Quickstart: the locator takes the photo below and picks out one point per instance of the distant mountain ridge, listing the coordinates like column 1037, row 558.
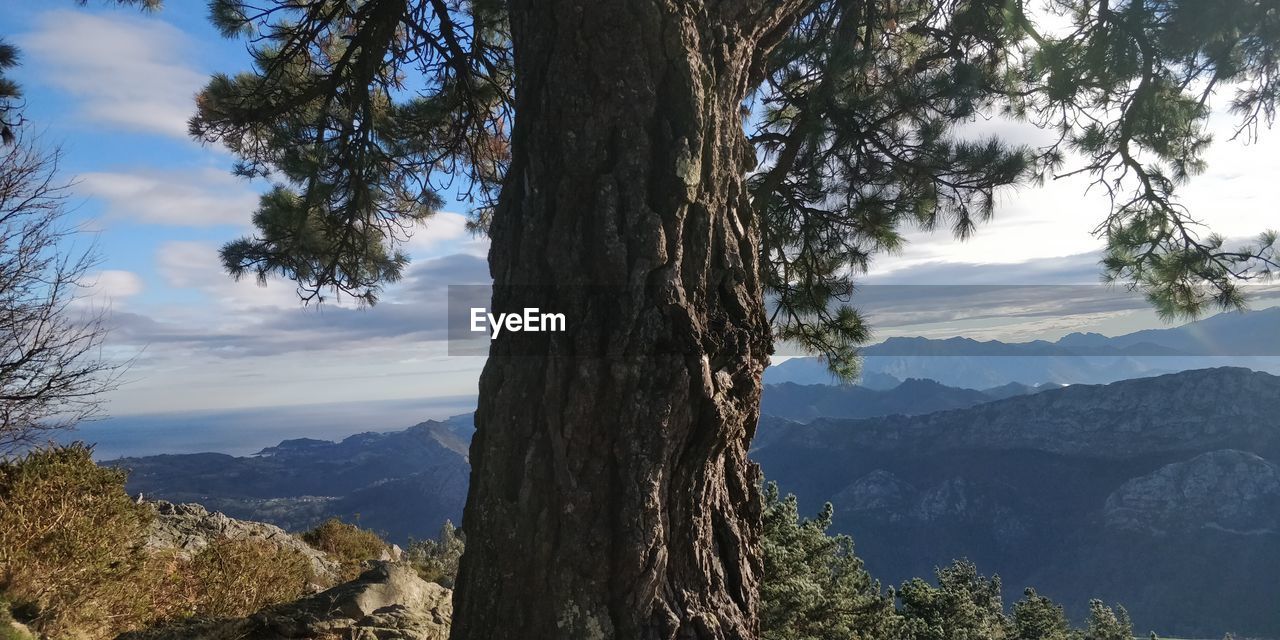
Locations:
column 371, row 478
column 406, row 483
column 912, row 396
column 1250, row 339
column 1114, row 420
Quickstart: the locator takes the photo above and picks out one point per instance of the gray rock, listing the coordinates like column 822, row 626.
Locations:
column 189, row 528
column 1229, row 490
column 947, row 500
column 392, row 554
column 387, row 602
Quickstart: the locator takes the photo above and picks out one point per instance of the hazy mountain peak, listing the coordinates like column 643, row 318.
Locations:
column 1078, row 339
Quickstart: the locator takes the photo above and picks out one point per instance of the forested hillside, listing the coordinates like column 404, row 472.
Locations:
column 1162, row 493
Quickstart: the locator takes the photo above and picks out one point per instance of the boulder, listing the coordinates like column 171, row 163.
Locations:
column 387, row 602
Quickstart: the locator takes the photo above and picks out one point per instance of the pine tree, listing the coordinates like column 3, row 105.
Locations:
column 814, row 587
column 10, row 94
column 1106, row 623
column 965, row 605
column 436, row 560
column 605, row 149
column 1036, row 617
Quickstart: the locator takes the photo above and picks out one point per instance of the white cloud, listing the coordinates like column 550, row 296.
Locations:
column 195, row 198
column 127, row 70
column 1233, row 197
column 197, row 266
column 443, row 227
column 445, row 233
column 216, row 350
column 186, row 264
column 114, row 284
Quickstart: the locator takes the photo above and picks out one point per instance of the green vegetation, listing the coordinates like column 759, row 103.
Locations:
column 437, row 560
column 1036, row 617
column 8, row 630
column 72, row 562
column 815, row 588
column 350, row 545
column 1107, row 624
column 68, row 540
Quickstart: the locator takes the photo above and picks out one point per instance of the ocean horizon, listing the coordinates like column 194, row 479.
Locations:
column 242, row 432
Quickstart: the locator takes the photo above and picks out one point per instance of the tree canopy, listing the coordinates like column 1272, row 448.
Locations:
column 365, row 113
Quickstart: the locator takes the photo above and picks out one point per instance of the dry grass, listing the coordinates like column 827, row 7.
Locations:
column 350, row 545
column 72, row 562
column 234, row 578
column 68, row 535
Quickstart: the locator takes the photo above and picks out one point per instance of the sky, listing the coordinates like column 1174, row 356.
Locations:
column 114, row 88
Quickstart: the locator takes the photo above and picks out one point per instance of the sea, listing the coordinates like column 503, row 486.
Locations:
column 244, row 432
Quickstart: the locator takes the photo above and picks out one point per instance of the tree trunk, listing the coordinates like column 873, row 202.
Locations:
column 611, row 495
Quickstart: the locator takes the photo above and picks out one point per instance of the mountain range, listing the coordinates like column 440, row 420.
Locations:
column 913, row 396
column 404, row 484
column 1249, row 339
column 1161, row 493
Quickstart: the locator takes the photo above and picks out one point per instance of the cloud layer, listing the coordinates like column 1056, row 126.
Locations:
column 125, row 71
column 194, row 198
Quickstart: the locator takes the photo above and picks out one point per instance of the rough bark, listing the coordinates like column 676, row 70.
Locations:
column 611, row 495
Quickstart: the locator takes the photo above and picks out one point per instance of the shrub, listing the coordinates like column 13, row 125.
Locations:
column 234, row 578
column 350, row 545
column 437, row 560
column 73, row 565
column 68, row 539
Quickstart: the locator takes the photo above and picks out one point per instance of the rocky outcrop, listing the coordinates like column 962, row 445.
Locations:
column 886, row 497
column 189, row 528
column 876, row 490
column 1228, row 490
column 387, row 602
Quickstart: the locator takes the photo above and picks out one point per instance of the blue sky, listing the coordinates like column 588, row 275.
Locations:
column 114, row 87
